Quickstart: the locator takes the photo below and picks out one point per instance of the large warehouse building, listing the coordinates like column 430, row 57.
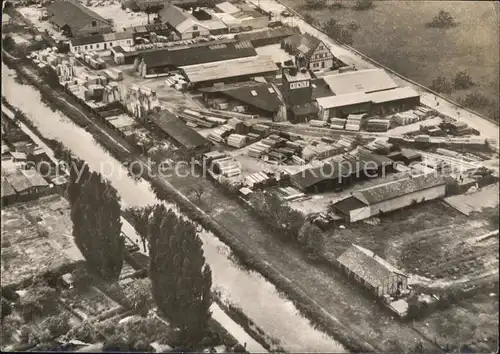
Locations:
column 390, row 196
column 162, row 61
column 228, row 71
column 365, row 91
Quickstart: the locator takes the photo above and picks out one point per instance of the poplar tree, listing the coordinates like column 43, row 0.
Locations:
column 181, row 280
column 79, row 173
column 97, row 227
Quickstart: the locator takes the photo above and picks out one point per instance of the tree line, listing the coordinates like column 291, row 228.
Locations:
column 180, row 278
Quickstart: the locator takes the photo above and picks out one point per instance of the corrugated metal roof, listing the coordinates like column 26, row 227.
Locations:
column 398, row 188
column 35, row 178
column 368, row 266
column 7, row 189
column 18, row 181
column 230, row 68
column 227, row 7
column 366, row 81
column 399, row 93
column 342, row 100
column 199, row 54
column 178, row 131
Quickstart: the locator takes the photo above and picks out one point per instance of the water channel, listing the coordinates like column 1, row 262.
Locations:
column 248, row 290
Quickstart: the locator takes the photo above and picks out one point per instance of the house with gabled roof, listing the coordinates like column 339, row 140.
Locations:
column 75, row 20
column 309, row 51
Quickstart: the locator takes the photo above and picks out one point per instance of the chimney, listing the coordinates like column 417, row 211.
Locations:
column 303, row 70
column 293, row 71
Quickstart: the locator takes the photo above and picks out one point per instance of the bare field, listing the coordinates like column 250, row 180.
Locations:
column 36, row 238
column 429, row 240
column 395, row 34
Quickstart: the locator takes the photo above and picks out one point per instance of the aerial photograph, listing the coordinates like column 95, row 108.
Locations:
column 250, row 176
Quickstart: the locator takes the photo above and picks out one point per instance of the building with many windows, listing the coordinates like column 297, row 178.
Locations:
column 309, row 52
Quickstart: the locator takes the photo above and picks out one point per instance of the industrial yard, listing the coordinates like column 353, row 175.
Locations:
column 326, row 174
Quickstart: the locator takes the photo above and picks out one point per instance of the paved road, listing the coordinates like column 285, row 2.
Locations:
column 488, row 129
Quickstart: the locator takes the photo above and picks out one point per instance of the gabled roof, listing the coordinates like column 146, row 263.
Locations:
column 342, row 100
column 258, row 94
column 371, row 268
column 399, row 93
column 178, row 131
column 397, row 188
column 277, row 32
column 220, row 70
column 73, row 14
column 303, row 43
column 193, row 55
column 362, row 81
column 7, row 189
column 34, row 178
column 18, row 181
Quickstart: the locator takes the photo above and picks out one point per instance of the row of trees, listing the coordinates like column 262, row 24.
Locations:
column 460, row 81
column 180, row 278
column 289, row 223
column 359, row 5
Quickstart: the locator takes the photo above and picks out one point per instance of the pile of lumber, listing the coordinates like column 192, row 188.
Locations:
column 236, row 140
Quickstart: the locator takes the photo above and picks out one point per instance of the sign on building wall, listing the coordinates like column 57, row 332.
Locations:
column 300, row 84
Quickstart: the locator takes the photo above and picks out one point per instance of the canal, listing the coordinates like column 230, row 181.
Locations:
column 247, row 290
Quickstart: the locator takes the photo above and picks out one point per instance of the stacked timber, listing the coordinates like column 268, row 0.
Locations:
column 290, row 193
column 197, row 121
column 236, row 140
column 337, row 123
column 317, row 123
column 252, row 138
column 353, row 122
column 220, row 134
column 258, row 149
column 378, row 125
column 259, row 180
column 227, row 168
column 261, row 130
column 234, row 114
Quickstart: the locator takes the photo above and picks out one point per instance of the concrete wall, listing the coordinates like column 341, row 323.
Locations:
column 397, row 203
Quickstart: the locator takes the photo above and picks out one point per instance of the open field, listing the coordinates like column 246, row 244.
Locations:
column 36, row 238
column 395, row 34
column 471, row 323
column 429, row 240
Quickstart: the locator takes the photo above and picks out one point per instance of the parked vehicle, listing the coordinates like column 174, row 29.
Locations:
column 286, row 13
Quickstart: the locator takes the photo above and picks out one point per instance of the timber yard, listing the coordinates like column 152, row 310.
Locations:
column 265, row 188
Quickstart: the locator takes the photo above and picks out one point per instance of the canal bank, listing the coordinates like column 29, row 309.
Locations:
column 274, row 314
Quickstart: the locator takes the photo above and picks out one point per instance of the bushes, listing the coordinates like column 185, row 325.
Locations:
column 57, row 325
column 462, row 81
column 315, row 4
column 37, row 300
column 443, row 20
column 311, row 238
column 362, row 5
column 475, row 100
column 441, row 84
column 338, row 32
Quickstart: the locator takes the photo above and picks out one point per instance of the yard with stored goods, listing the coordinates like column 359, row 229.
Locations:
column 396, row 35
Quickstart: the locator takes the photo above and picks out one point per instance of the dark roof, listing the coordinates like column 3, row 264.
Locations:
column 319, row 88
column 279, row 32
column 303, row 43
column 345, row 206
column 257, row 94
column 73, row 14
column 7, row 189
column 178, row 131
column 379, row 160
column 206, row 53
column 368, row 266
column 397, row 188
column 311, row 176
column 410, row 154
column 304, row 109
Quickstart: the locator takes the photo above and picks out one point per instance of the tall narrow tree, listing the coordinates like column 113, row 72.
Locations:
column 79, row 173
column 140, row 221
column 97, row 227
column 181, row 280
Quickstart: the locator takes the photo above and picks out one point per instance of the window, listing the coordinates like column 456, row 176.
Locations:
column 94, row 23
column 315, row 65
column 128, row 41
column 86, row 47
column 110, row 44
column 195, row 28
column 97, row 46
column 322, row 64
column 91, row 47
